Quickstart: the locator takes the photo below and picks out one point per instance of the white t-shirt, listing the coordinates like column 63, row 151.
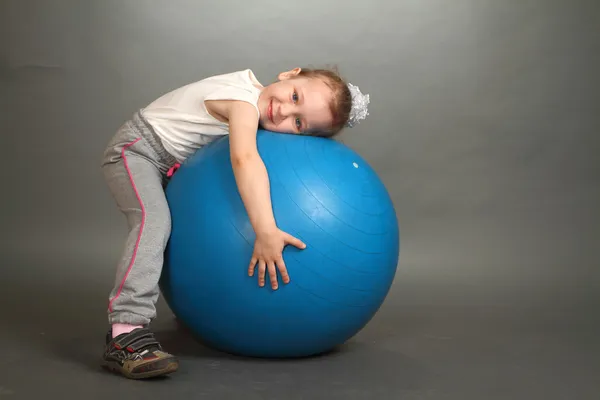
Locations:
column 180, row 117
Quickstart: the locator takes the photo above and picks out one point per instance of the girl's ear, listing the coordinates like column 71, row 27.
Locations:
column 289, row 74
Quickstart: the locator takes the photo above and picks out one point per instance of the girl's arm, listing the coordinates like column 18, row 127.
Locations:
column 253, row 185
column 249, row 169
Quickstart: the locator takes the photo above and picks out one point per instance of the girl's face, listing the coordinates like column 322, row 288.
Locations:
column 295, row 104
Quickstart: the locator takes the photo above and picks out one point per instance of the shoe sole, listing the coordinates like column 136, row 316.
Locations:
column 171, row 367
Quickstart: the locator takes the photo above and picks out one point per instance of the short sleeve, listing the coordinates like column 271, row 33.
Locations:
column 233, row 92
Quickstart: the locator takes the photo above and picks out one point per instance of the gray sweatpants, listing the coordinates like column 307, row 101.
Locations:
column 135, row 167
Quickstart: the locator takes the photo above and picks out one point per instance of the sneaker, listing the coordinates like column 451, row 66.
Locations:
column 137, row 355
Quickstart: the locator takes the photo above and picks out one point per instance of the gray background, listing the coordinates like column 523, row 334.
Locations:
column 484, row 125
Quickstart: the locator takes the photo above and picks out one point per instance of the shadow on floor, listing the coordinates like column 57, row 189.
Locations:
column 60, row 318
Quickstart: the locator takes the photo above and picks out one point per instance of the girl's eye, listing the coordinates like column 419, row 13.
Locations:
column 298, row 123
column 295, row 97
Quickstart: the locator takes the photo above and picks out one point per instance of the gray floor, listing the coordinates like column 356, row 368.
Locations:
column 52, row 330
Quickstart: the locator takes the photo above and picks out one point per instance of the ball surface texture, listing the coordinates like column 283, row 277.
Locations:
column 323, row 193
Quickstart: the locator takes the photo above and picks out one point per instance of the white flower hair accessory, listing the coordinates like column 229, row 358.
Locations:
column 360, row 104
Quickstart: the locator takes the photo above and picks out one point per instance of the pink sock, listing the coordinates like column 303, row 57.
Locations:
column 118, row 329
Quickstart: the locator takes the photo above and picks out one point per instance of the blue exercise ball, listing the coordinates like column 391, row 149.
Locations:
column 323, row 193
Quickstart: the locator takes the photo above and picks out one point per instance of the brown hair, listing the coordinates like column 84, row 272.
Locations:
column 342, row 98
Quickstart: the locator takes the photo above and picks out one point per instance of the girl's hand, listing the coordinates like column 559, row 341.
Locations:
column 268, row 249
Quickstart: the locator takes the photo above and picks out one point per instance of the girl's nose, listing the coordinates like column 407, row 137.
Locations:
column 286, row 110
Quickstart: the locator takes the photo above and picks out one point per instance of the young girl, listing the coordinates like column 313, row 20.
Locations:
column 143, row 153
